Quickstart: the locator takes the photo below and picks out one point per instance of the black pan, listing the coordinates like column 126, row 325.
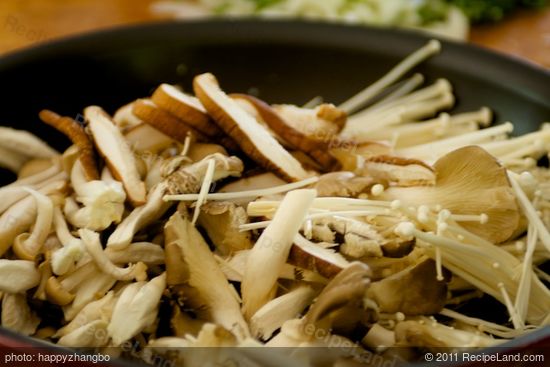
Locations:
column 283, row 61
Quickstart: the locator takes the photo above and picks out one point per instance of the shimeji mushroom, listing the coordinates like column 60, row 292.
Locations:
column 271, row 250
column 64, row 259
column 135, row 309
column 206, row 289
column 18, row 275
column 28, row 245
column 102, row 200
column 17, row 315
column 469, row 182
column 18, row 147
column 252, row 137
column 110, row 143
column 21, row 215
column 93, row 246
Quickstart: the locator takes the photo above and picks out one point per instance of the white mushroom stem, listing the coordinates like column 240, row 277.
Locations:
column 530, row 212
column 432, row 151
column 91, row 335
column 37, row 178
column 361, row 98
column 146, row 252
column 324, row 214
column 18, row 276
column 26, row 245
column 12, row 160
column 484, row 326
column 435, row 90
column 506, row 147
column 326, row 204
column 514, row 316
column 20, row 216
column 205, row 188
column 93, row 245
column 94, row 286
column 138, row 219
column 64, row 259
column 25, row 143
column 271, row 250
column 474, row 263
column 245, row 194
column 404, row 89
column 10, row 195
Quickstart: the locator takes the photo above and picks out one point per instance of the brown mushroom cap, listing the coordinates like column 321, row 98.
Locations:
column 186, row 108
column 252, row 137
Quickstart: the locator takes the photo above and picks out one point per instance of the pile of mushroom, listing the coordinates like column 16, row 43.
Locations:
column 213, row 219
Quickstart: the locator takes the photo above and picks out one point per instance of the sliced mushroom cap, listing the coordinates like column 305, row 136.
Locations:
column 113, row 147
column 412, row 291
column 315, row 148
column 165, row 122
column 308, row 255
column 344, row 184
column 186, row 108
column 351, row 154
column 252, row 137
column 321, row 123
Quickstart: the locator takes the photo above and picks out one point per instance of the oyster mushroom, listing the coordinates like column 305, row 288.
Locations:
column 344, row 184
column 92, row 335
column 469, row 181
column 206, row 289
column 135, row 309
column 119, row 158
column 412, row 291
column 272, row 249
column 18, row 276
column 221, row 221
column 17, row 315
column 28, row 245
column 74, row 131
column 273, row 314
column 64, row 259
column 95, row 310
column 252, row 137
column 308, row 255
column 398, row 171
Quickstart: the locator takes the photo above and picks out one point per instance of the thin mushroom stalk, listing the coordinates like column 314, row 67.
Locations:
column 28, row 245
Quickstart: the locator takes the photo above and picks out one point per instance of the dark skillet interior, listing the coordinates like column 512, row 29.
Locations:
column 280, row 61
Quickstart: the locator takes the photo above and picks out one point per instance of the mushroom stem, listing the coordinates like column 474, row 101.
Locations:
column 361, row 98
column 93, row 245
column 27, row 246
column 272, row 249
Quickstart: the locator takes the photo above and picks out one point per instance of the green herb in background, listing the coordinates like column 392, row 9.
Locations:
column 493, row 10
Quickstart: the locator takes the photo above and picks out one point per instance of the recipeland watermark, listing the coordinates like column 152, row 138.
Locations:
column 14, row 24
